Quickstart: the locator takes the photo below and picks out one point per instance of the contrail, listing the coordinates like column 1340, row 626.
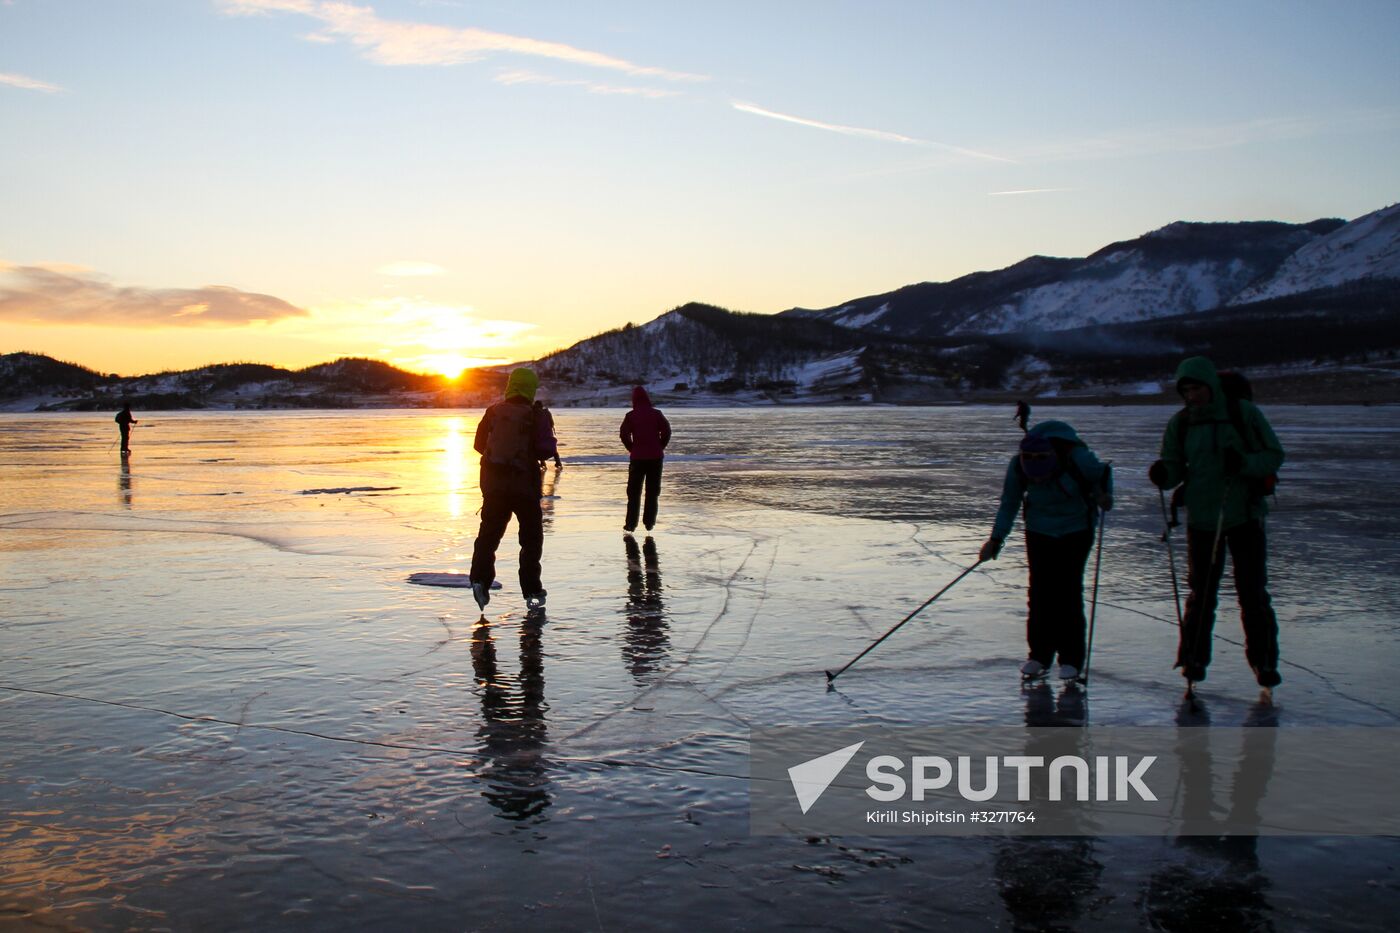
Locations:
column 882, row 135
column 998, row 194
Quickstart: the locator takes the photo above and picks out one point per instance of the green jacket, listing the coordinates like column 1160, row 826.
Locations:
column 1057, row 507
column 1193, row 450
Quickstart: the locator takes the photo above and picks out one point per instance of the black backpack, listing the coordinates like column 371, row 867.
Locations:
column 512, row 438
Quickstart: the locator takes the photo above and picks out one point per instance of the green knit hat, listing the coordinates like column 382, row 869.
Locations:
column 523, row 382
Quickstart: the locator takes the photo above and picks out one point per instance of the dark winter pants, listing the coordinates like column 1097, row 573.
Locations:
column 496, row 509
column 1055, row 623
column 639, row 471
column 126, row 436
column 1248, row 551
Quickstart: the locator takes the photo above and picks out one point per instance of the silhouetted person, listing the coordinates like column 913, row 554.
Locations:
column 1225, row 453
column 511, row 446
column 645, row 432
column 1059, row 487
column 513, row 729
column 648, row 638
column 1023, row 414
column 124, row 422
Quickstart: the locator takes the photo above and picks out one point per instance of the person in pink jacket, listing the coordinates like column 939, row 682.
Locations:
column 645, row 432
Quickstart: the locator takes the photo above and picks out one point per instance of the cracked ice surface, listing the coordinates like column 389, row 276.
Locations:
column 225, row 706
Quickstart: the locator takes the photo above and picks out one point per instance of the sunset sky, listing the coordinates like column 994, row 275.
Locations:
column 440, row 183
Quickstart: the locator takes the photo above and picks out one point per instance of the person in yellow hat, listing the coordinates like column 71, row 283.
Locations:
column 511, row 443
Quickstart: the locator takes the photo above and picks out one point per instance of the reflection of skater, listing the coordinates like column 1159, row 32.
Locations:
column 513, row 730
column 1023, row 413
column 1060, row 486
column 1047, row 882
column 1218, row 883
column 124, row 422
column 124, row 480
column 545, row 425
column 648, row 638
column 645, row 432
column 511, row 447
column 1225, row 452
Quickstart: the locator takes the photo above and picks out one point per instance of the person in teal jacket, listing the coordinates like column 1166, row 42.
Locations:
column 1059, row 486
column 1225, row 453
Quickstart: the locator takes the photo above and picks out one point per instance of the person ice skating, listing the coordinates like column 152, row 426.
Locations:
column 645, row 432
column 546, row 426
column 1023, row 413
column 124, row 421
column 511, row 445
column 1060, row 486
column 1224, row 452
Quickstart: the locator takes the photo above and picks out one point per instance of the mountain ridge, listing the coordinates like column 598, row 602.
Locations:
column 1259, row 293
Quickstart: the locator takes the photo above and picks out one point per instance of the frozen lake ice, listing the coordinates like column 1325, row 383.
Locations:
column 225, row 706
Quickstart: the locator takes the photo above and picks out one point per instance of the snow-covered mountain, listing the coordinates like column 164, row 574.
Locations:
column 1180, row 269
column 701, row 351
column 1366, row 248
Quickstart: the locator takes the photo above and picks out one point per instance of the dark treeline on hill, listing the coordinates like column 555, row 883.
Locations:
column 24, row 374
column 347, row 382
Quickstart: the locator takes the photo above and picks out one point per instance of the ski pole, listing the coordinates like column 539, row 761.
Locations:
column 831, row 677
column 1211, row 582
column 1094, row 603
column 1171, row 555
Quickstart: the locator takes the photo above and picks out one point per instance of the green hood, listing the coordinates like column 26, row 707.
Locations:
column 1057, row 430
column 522, row 382
column 1203, row 370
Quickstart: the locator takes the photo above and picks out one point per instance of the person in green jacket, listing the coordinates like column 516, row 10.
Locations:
column 1223, row 450
column 1060, row 486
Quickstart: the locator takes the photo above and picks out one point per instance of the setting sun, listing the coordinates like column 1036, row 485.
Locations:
column 448, row 365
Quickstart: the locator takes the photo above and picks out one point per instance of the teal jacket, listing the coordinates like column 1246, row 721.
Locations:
column 1057, row 507
column 1193, row 452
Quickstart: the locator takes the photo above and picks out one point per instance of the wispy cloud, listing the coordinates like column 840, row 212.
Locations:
column 60, row 294
column 410, row 268
column 398, row 42
column 1002, row 194
column 518, row 76
column 862, row 132
column 29, row 84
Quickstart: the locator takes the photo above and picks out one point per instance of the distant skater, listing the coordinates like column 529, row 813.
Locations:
column 1023, row 414
column 546, row 426
column 511, row 444
column 645, row 432
column 1225, row 453
column 124, row 421
column 1060, row 486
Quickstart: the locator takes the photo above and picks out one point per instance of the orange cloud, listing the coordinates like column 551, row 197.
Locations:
column 66, row 295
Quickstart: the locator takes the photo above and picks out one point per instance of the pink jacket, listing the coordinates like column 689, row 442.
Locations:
column 645, row 431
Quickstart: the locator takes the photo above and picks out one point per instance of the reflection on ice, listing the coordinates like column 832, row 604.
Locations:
column 513, row 731
column 646, row 641
column 214, row 698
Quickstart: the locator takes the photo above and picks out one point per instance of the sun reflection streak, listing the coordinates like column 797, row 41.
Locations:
column 454, row 464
